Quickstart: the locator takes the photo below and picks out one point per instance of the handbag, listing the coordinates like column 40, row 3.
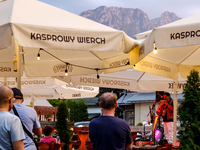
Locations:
column 25, row 129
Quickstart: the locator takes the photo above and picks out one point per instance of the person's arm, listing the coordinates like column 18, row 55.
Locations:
column 18, row 145
column 38, row 131
column 129, row 146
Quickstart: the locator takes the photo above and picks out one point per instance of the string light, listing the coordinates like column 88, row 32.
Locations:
column 155, row 49
column 38, row 56
column 97, row 73
column 66, row 70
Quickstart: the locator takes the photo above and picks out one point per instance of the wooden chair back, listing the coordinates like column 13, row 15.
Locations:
column 170, row 147
column 44, row 146
column 160, row 147
column 49, row 146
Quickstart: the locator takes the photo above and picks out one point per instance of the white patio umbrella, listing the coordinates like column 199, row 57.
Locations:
column 178, row 51
column 32, row 25
column 58, row 92
column 41, row 102
column 128, row 79
column 71, row 91
column 41, row 88
column 28, row 82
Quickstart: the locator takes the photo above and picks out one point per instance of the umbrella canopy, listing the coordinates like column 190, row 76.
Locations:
column 36, row 24
column 70, row 91
column 38, row 94
column 177, row 46
column 69, row 37
column 44, row 88
column 41, row 102
column 62, row 92
column 128, row 79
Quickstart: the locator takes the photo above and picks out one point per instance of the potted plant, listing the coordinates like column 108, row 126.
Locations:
column 48, row 115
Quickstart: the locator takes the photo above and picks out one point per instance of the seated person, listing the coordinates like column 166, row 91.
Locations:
column 48, row 131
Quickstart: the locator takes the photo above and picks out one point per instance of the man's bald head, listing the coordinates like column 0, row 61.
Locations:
column 108, row 100
column 5, row 94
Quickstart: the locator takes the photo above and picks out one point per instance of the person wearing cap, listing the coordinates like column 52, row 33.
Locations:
column 167, row 116
column 28, row 117
column 11, row 131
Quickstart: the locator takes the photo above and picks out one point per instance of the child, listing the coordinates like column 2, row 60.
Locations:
column 48, row 131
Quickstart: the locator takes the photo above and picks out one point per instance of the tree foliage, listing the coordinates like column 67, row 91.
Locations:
column 78, row 110
column 54, row 102
column 189, row 112
column 62, row 124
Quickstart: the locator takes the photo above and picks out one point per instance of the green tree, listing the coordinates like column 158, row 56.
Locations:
column 62, row 124
column 189, row 112
column 78, row 110
column 54, row 102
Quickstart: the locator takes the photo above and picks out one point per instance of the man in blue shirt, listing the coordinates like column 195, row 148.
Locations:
column 11, row 131
column 28, row 117
column 109, row 132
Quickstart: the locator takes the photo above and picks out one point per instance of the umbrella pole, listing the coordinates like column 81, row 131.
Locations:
column 5, row 81
column 18, row 66
column 175, row 112
column 33, row 98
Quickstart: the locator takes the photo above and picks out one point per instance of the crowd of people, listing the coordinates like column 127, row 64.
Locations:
column 19, row 123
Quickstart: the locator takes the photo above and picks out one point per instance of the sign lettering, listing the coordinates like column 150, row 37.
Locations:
column 76, row 95
column 155, row 66
column 119, row 63
column 179, row 86
column 141, row 50
column 5, row 69
column 68, row 39
column 183, row 35
column 104, row 81
column 80, row 87
column 33, row 82
column 61, row 68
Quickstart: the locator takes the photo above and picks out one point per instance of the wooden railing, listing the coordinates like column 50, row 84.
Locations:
column 43, row 110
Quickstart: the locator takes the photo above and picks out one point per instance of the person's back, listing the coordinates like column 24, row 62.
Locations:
column 11, row 131
column 48, row 131
column 28, row 117
column 109, row 133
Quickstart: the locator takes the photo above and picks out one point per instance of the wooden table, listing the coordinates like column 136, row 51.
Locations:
column 83, row 134
column 143, row 147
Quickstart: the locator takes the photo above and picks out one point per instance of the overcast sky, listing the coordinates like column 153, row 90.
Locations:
column 153, row 8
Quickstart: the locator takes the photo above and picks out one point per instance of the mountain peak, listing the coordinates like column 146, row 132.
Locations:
column 166, row 17
column 130, row 20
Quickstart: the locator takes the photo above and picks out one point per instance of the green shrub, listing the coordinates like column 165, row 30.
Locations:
column 78, row 109
column 139, row 124
column 62, row 124
column 189, row 112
